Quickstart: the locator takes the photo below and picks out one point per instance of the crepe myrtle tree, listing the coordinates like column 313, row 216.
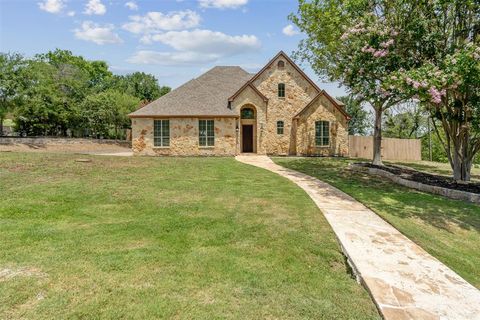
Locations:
column 355, row 43
column 450, row 89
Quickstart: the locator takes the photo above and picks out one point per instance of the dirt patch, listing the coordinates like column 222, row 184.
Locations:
column 9, row 273
column 426, row 178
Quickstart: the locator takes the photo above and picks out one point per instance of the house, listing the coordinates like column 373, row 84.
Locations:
column 228, row 111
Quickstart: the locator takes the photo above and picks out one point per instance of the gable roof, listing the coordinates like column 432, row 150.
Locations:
column 338, row 104
column 248, row 84
column 334, row 101
column 206, row 95
column 209, row 94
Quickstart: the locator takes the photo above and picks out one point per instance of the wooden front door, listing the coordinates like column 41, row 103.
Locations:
column 247, row 138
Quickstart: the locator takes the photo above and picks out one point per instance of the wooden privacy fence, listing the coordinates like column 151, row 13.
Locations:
column 392, row 149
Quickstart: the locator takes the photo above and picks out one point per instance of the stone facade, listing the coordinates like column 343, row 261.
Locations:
column 184, row 138
column 261, row 95
column 321, row 110
column 298, row 93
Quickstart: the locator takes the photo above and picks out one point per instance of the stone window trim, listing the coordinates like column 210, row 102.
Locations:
column 281, row 91
column 280, row 127
column 161, row 133
column 206, row 133
column 322, row 134
column 281, row 64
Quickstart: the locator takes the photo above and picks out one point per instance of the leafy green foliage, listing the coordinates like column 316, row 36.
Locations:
column 58, row 93
column 141, row 85
column 10, row 68
column 360, row 123
column 109, row 108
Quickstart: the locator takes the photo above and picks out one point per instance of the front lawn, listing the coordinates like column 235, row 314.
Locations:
column 447, row 229
column 183, row 238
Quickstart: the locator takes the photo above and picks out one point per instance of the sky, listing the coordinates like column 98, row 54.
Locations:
column 175, row 40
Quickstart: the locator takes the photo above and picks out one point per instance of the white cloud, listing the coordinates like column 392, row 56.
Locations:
column 71, row 13
column 157, row 21
column 98, row 34
column 52, row 6
column 222, row 4
column 195, row 47
column 290, row 31
column 95, row 7
column 171, row 58
column 207, row 41
column 131, row 5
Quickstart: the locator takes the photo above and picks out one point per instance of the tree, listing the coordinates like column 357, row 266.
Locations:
column 10, row 69
column 107, row 110
column 58, row 93
column 447, row 80
column 359, row 123
column 141, row 85
column 355, row 42
column 406, row 121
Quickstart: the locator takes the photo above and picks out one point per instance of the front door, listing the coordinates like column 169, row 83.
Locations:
column 247, row 138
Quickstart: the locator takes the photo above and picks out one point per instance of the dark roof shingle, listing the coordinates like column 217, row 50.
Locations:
column 206, row 95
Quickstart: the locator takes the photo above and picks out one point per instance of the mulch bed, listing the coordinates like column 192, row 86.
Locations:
column 426, row 178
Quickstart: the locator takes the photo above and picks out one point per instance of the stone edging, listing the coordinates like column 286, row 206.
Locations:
column 449, row 193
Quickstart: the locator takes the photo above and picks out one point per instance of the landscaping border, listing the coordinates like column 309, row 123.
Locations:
column 446, row 192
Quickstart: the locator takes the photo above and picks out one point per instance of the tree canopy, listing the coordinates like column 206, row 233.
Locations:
column 390, row 51
column 59, row 93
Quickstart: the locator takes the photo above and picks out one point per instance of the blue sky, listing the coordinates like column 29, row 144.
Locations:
column 173, row 39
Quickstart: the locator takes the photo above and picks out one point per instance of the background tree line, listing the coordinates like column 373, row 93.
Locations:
column 60, row 94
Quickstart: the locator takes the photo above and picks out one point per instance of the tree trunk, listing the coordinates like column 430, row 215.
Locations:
column 1, row 126
column 377, row 137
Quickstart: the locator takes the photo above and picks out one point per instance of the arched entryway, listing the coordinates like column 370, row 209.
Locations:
column 248, row 129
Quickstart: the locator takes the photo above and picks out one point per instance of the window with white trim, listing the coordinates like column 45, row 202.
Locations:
column 322, row 133
column 206, row 133
column 161, row 133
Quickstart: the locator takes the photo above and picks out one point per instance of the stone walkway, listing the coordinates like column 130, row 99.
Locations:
column 403, row 279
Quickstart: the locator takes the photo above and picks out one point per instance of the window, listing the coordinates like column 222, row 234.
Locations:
column 280, row 127
column 247, row 113
column 280, row 64
column 161, row 133
column 206, row 133
column 322, row 133
column 281, row 90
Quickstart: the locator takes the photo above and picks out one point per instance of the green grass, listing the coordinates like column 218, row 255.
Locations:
column 183, row 238
column 447, row 229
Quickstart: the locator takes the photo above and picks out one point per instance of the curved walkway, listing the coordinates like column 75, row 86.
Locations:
column 403, row 279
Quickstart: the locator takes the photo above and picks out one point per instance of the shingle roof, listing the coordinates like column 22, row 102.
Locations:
column 206, row 95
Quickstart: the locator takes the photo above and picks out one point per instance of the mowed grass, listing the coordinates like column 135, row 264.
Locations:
column 182, row 238
column 447, row 229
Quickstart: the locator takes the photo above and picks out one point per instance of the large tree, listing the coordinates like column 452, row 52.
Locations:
column 447, row 79
column 11, row 66
column 355, row 42
column 106, row 111
column 141, row 85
